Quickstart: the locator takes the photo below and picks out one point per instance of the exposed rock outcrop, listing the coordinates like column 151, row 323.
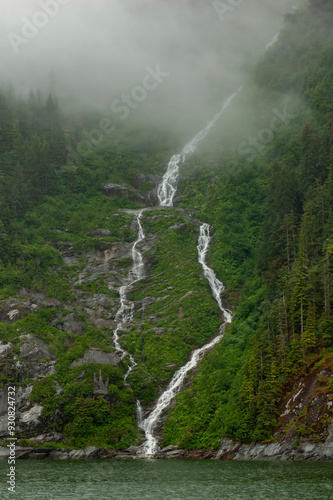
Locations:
column 97, row 356
column 123, row 191
column 100, row 386
column 5, row 350
column 284, row 450
column 33, row 348
column 31, row 418
column 14, row 309
column 102, row 233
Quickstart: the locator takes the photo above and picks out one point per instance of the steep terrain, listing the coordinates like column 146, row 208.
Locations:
column 262, row 179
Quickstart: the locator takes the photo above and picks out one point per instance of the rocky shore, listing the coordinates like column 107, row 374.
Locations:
column 229, row 450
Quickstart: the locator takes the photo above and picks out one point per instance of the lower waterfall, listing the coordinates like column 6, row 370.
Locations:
column 150, row 447
column 126, row 311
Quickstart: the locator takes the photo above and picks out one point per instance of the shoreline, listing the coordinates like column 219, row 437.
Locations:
column 229, row 451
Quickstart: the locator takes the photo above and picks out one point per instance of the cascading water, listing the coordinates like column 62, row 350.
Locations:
column 126, row 311
column 273, row 41
column 139, row 413
column 216, row 286
column 167, row 189
column 150, row 447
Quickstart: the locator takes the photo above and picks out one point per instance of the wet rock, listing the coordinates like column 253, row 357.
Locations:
column 20, row 452
column 170, row 449
column 39, row 453
column 106, row 453
column 58, row 454
column 97, row 356
column 89, row 452
column 284, row 450
column 133, row 450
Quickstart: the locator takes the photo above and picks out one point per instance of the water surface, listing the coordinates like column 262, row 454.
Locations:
column 169, row 480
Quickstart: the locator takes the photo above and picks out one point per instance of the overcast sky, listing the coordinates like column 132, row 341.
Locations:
column 92, row 51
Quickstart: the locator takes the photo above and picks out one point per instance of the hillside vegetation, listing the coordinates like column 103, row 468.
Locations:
column 267, row 192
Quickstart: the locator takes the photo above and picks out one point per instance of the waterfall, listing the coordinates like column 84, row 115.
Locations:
column 167, row 189
column 150, row 447
column 216, row 286
column 139, row 413
column 273, row 41
column 126, row 311
column 137, row 270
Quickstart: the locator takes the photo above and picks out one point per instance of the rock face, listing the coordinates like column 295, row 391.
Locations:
column 123, row 191
column 98, row 356
column 102, row 233
column 71, row 324
column 34, row 348
column 31, row 418
column 5, row 350
column 22, row 405
column 284, row 450
column 100, row 386
column 37, row 360
column 14, row 309
column 228, row 451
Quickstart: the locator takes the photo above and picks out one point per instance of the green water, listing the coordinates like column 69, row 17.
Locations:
column 169, row 479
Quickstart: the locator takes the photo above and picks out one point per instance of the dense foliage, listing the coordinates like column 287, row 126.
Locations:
column 273, row 244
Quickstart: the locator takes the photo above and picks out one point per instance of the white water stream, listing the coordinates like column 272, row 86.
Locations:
column 126, row 311
column 150, row 447
column 165, row 192
column 167, row 189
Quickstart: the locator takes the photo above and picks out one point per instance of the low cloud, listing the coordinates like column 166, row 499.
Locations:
column 90, row 52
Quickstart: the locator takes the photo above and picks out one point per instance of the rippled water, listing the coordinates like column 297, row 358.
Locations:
column 169, row 479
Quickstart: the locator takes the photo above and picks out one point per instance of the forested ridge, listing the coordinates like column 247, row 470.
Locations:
column 272, row 219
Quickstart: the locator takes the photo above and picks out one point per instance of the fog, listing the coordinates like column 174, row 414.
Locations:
column 93, row 52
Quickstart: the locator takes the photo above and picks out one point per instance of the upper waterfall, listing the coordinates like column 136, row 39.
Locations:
column 168, row 187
